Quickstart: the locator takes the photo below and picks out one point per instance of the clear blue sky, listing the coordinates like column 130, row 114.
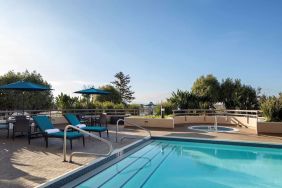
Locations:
column 163, row 45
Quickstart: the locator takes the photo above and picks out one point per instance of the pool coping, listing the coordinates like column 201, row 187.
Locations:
column 96, row 163
column 220, row 141
column 74, row 177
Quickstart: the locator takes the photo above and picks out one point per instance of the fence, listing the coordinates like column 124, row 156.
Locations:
column 134, row 112
column 110, row 112
column 208, row 112
column 242, row 118
column 54, row 113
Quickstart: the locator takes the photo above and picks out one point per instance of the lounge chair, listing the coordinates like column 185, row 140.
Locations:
column 47, row 129
column 5, row 126
column 22, row 125
column 73, row 120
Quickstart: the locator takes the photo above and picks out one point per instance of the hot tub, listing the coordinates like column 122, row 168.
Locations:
column 212, row 128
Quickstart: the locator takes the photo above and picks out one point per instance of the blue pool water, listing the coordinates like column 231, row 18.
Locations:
column 194, row 165
column 211, row 128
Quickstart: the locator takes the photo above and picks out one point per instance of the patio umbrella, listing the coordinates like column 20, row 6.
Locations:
column 92, row 91
column 24, row 86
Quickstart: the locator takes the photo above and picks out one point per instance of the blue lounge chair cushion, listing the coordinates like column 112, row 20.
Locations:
column 43, row 122
column 70, row 135
column 4, row 126
column 72, row 119
column 94, row 128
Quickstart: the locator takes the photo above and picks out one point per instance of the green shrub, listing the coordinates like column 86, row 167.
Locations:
column 119, row 106
column 78, row 105
column 108, row 105
column 272, row 108
column 97, row 105
column 90, row 105
column 168, row 106
column 133, row 106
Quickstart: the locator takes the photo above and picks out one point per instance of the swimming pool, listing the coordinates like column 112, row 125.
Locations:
column 191, row 163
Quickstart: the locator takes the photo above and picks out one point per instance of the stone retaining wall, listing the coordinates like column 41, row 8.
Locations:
column 269, row 127
column 150, row 122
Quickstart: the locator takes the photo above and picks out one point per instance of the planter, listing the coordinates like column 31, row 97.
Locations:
column 114, row 120
column 269, row 127
column 150, row 122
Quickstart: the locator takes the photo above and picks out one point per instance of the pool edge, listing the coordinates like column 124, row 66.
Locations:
column 95, row 163
column 220, row 141
column 99, row 162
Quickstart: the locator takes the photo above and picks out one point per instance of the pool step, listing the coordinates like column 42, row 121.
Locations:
column 140, row 178
column 100, row 179
column 143, row 167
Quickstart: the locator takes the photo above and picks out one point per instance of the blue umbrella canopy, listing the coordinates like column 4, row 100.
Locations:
column 24, row 86
column 93, row 91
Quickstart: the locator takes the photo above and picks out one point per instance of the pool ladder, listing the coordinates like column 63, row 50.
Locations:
column 86, row 153
column 133, row 124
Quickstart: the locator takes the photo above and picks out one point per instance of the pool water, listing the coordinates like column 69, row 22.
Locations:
column 197, row 165
column 211, row 128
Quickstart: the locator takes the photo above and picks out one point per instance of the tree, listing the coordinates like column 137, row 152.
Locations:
column 208, row 87
column 229, row 93
column 113, row 97
column 206, row 91
column 184, row 100
column 235, row 95
column 64, row 101
column 167, row 106
column 11, row 99
column 122, row 84
column 272, row 108
column 247, row 99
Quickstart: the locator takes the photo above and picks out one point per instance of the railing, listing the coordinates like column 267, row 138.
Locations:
column 86, row 153
column 111, row 112
column 124, row 112
column 8, row 113
column 206, row 112
column 133, row 124
column 4, row 114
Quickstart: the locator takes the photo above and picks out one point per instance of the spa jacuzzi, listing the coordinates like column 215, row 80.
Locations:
column 213, row 128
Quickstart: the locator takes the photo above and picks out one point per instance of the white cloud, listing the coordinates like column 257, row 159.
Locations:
column 56, row 83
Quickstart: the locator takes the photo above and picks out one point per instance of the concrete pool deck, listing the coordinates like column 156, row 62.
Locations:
column 23, row 165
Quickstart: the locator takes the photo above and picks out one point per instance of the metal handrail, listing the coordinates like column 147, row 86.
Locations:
column 212, row 114
column 209, row 111
column 86, row 153
column 150, row 135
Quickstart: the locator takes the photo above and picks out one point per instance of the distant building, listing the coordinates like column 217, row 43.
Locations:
column 148, row 109
column 219, row 106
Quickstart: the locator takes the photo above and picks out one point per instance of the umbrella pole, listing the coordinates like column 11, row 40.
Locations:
column 88, row 101
column 23, row 102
